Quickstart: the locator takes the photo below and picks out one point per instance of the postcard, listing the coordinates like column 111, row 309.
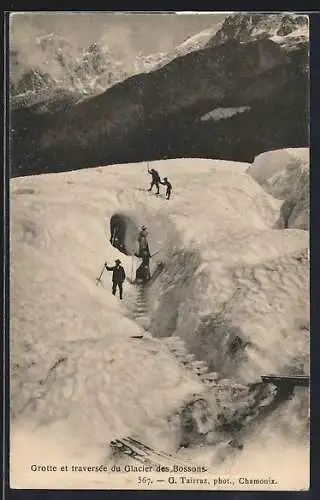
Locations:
column 159, row 251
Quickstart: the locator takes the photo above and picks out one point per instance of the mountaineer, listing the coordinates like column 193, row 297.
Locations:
column 145, row 256
column 142, row 240
column 143, row 271
column 118, row 277
column 169, row 187
column 155, row 179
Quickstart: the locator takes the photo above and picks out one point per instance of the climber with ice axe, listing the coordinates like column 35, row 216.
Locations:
column 155, row 179
column 118, row 277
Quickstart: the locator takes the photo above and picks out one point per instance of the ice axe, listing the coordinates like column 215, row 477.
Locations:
column 98, row 280
column 155, row 253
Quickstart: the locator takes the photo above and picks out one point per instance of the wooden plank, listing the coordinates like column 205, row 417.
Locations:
column 299, row 380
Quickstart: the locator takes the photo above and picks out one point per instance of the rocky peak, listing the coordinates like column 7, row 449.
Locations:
column 248, row 26
column 90, row 71
column 53, row 44
column 32, row 80
column 146, row 63
column 95, row 60
column 94, row 48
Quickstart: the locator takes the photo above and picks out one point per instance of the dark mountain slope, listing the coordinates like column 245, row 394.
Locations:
column 159, row 114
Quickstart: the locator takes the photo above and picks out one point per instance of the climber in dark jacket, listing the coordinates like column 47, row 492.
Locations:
column 118, row 277
column 145, row 255
column 155, row 179
column 142, row 240
column 143, row 271
column 169, row 187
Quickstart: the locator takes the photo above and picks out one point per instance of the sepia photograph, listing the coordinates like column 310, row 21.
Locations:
column 159, row 250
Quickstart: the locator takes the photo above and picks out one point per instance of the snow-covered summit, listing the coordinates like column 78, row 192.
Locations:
column 191, row 44
column 284, row 28
column 249, row 26
column 89, row 71
column 55, row 44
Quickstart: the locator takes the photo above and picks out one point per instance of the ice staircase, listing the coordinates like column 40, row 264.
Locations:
column 141, row 303
column 200, row 368
column 139, row 310
column 138, row 306
column 228, row 393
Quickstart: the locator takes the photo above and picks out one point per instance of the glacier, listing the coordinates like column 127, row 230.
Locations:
column 234, row 290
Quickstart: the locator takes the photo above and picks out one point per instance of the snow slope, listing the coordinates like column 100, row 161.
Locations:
column 78, row 379
column 285, row 174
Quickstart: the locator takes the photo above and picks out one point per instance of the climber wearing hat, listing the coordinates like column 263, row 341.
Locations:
column 169, row 187
column 118, row 277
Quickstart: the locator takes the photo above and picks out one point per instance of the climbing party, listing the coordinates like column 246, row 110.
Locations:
column 156, row 180
column 125, row 237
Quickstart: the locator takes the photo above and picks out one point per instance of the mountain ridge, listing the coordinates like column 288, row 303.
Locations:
column 158, row 114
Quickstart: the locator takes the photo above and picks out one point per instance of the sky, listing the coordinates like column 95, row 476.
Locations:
column 126, row 34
